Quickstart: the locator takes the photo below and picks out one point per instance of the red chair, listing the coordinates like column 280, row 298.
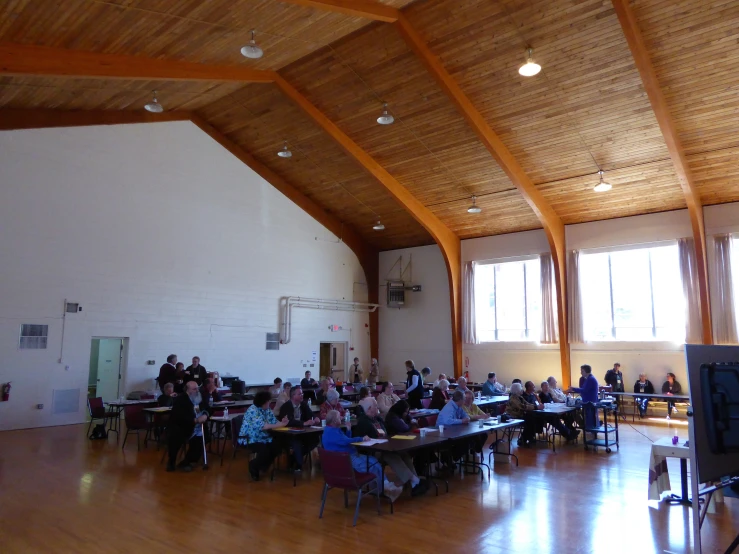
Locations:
column 425, row 402
column 136, row 421
column 338, row 473
column 147, row 397
column 97, row 411
column 428, row 421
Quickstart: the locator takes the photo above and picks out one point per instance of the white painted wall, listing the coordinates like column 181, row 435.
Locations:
column 163, row 237
column 421, row 330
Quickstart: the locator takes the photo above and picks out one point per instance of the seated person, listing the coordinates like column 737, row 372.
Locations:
column 321, row 393
column 299, row 415
column 462, row 385
column 565, row 425
column 186, row 425
column 440, row 396
column 425, row 372
column 670, row 387
column 545, row 396
column 283, row 397
column 331, row 403
column 337, row 440
column 166, row 399
column 258, row 419
column 276, row 388
column 331, row 381
column 529, row 394
column 387, row 398
column 370, row 424
column 643, row 386
column 475, row 414
column 453, row 413
column 442, row 377
column 518, row 408
column 398, row 419
column 209, row 391
column 558, row 396
column 517, row 381
column 363, row 393
column 308, row 382
column 491, row 387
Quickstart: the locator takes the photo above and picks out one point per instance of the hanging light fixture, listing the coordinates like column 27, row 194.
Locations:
column 602, row 186
column 530, row 68
column 386, row 118
column 474, row 209
column 378, row 226
column 251, row 50
column 154, row 106
column 285, row 153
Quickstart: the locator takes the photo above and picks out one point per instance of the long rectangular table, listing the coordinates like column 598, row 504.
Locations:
column 662, row 397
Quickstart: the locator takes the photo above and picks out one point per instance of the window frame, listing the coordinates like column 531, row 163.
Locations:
column 527, row 329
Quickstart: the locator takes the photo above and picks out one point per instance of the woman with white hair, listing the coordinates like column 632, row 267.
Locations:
column 331, row 403
column 518, row 408
column 335, row 439
column 387, row 398
column 440, row 396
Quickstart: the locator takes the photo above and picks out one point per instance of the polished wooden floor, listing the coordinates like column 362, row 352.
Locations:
column 60, row 492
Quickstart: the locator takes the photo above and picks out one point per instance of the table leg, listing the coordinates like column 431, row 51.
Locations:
column 684, row 497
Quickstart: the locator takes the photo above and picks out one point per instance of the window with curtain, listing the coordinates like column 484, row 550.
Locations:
column 734, row 260
column 508, row 301
column 632, row 295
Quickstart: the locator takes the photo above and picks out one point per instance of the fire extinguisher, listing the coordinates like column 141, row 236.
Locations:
column 6, row 392
column 467, row 375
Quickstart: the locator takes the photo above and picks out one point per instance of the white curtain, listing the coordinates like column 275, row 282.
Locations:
column 469, row 323
column 689, row 276
column 574, row 306
column 548, row 301
column 723, row 307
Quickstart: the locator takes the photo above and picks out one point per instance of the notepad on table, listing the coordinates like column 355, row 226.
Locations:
column 369, row 442
column 404, row 437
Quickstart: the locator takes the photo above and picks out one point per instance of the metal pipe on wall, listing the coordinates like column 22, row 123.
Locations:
column 289, row 302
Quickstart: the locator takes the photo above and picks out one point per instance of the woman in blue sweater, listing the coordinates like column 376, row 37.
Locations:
column 335, row 439
column 589, row 393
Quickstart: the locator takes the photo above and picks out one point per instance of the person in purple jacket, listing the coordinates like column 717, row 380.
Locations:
column 589, row 393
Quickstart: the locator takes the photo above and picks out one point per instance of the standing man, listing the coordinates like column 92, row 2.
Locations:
column 615, row 379
column 356, row 371
column 196, row 372
column 589, row 393
column 374, row 373
column 185, row 426
column 413, row 385
column 168, row 372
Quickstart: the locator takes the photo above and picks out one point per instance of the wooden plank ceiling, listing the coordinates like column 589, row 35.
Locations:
column 586, row 110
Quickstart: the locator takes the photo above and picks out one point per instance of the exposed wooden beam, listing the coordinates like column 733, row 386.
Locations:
column 630, row 26
column 44, row 119
column 358, row 8
column 20, row 59
column 448, row 242
column 553, row 226
column 367, row 255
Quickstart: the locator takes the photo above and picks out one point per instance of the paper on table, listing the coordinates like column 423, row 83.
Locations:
column 370, row 442
column 405, row 437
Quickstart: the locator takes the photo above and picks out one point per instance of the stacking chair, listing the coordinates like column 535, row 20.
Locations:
column 338, row 473
column 135, row 421
column 97, row 411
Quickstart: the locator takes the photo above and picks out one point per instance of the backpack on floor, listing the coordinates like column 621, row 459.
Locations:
column 99, row 432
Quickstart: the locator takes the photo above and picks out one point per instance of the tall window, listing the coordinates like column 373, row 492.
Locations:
column 633, row 295
column 735, row 274
column 508, row 301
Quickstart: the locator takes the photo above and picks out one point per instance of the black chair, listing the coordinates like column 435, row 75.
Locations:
column 97, row 412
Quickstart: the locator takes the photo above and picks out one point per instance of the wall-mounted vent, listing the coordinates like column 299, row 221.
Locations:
column 395, row 294
column 66, row 401
column 72, row 307
column 33, row 337
column 273, row 341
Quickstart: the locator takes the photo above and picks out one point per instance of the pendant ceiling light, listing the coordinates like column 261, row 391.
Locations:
column 386, row 118
column 251, row 50
column 474, row 209
column 285, row 153
column 602, row 186
column 530, row 68
column 378, row 226
column 154, row 106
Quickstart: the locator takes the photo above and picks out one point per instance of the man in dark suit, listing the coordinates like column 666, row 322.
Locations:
column 186, row 420
column 196, row 372
column 308, row 382
column 299, row 414
column 168, row 372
